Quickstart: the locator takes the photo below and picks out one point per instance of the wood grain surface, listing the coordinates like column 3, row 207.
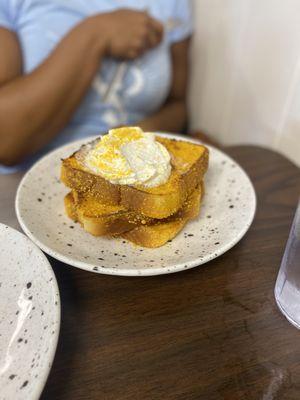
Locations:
column 209, row 333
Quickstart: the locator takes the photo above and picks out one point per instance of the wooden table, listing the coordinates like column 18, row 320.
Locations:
column 210, row 333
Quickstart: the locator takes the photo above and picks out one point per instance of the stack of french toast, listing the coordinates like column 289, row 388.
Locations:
column 146, row 216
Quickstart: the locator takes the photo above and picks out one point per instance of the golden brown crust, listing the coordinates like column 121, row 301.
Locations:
column 70, row 207
column 159, row 233
column 155, row 235
column 99, row 225
column 74, row 177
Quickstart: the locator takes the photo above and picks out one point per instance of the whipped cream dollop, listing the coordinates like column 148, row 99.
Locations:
column 129, row 156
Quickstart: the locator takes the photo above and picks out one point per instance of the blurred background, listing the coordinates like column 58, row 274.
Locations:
column 245, row 77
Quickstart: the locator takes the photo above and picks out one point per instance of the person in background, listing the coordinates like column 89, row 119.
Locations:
column 70, row 69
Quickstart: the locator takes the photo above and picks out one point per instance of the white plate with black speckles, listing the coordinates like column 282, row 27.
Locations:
column 226, row 214
column 29, row 317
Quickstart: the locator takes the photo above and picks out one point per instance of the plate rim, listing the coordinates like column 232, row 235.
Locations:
column 40, row 383
column 178, row 267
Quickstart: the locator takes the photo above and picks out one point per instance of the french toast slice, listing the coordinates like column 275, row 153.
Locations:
column 99, row 219
column 189, row 163
column 157, row 235
column 160, row 232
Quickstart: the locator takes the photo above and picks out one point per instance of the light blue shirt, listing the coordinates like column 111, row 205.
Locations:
column 139, row 87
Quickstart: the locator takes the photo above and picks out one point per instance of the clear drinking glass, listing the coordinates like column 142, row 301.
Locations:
column 287, row 287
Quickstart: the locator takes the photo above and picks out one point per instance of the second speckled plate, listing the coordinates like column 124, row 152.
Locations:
column 226, row 214
column 29, row 317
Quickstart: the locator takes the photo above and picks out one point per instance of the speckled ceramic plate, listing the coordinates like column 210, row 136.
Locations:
column 226, row 214
column 29, row 317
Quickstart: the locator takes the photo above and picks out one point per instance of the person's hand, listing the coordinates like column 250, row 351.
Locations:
column 129, row 33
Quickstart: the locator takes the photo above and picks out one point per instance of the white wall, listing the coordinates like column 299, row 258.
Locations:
column 245, row 84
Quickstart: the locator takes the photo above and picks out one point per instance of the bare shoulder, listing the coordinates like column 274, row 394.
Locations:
column 10, row 56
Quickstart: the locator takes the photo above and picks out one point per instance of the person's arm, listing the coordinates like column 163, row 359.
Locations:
column 35, row 107
column 172, row 117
